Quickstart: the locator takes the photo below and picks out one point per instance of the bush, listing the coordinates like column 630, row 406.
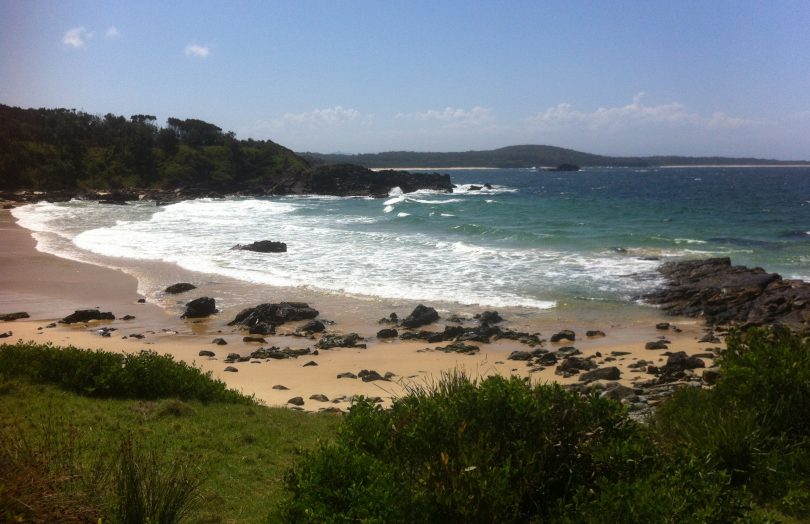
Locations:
column 461, row 451
column 145, row 375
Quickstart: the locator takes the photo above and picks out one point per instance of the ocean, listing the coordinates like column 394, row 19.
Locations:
column 528, row 239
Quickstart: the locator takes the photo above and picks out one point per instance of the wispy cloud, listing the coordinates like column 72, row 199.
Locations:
column 198, row 51
column 451, row 116
column 327, row 116
column 112, row 32
column 77, row 37
column 633, row 114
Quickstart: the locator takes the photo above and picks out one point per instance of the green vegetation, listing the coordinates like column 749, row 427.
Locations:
column 68, row 457
column 501, row 451
column 48, row 149
column 519, row 156
column 496, row 450
column 145, row 375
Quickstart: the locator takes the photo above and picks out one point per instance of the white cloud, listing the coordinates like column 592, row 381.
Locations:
column 77, row 37
column 451, row 116
column 112, row 32
column 327, row 116
column 634, row 114
column 197, row 50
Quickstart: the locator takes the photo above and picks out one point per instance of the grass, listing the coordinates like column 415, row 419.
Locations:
column 62, row 447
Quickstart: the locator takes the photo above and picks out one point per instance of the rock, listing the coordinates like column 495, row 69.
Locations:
column 310, row 363
column 370, row 376
column 459, row 347
column 331, row 409
column 391, row 319
column 6, row 334
column 319, row 397
column 565, row 334
column 200, row 308
column 387, row 333
column 347, row 374
column 352, row 180
column 662, row 326
column 137, row 336
column 609, row 373
column 270, row 315
column 474, row 188
column 141, row 301
column 86, row 315
column 420, row 316
column 313, row 326
column 127, row 317
column 656, row 344
column 262, row 329
column 709, row 338
column 329, row 341
column 724, row 294
column 575, row 365
column 206, row 353
column 258, row 340
column 616, row 391
column 490, row 317
column 180, row 287
column 711, row 376
column 296, row 401
column 231, row 369
column 219, row 342
column 520, row 355
column 595, row 333
column 263, row 246
column 279, row 387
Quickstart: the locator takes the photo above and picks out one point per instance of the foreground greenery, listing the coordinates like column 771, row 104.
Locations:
column 501, row 451
column 455, row 451
column 48, row 149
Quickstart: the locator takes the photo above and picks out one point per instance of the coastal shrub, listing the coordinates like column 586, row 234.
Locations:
column 496, row 450
column 145, row 375
column 768, row 371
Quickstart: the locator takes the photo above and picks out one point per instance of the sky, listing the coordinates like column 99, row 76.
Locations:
column 642, row 77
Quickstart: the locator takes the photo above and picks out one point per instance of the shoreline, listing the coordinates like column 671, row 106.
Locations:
column 50, row 287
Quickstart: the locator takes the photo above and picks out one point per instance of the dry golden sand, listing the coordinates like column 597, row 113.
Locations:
column 49, row 288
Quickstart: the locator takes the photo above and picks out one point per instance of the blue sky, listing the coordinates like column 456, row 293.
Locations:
column 610, row 77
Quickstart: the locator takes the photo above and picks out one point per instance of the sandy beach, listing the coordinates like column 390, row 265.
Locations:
column 49, row 288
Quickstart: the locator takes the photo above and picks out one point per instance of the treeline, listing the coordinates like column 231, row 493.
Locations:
column 48, row 149
column 524, row 156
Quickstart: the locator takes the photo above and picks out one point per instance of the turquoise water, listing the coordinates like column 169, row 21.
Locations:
column 534, row 239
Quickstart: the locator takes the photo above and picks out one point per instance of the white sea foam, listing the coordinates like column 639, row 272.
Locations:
column 403, row 214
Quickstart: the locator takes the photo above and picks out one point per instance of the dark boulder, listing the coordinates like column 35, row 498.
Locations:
column 565, row 334
column 219, row 342
column 609, row 373
column 420, row 316
column 313, row 326
column 9, row 317
column 6, row 334
column 490, row 317
column 263, row 246
column 459, row 347
column 370, row 376
column 86, row 315
column 180, row 287
column 347, row 374
column 206, row 353
column 200, row 308
column 595, row 333
column 231, row 369
column 520, row 355
column 274, row 314
column 576, row 364
column 387, row 333
column 656, row 344
column 296, row 401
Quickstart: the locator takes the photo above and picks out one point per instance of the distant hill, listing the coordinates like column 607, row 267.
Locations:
column 520, row 156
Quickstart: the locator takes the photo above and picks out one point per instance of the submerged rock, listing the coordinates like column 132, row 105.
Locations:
column 9, row 317
column 263, row 246
column 270, row 315
column 200, row 308
column 180, row 287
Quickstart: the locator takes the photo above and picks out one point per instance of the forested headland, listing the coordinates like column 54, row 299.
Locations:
column 51, row 149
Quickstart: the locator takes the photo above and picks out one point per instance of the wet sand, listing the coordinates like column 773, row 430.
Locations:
column 49, row 288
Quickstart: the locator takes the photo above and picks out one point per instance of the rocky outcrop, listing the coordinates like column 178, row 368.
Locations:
column 86, row 315
column 9, row 317
column 263, row 246
column 724, row 294
column 348, row 179
column 263, row 318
